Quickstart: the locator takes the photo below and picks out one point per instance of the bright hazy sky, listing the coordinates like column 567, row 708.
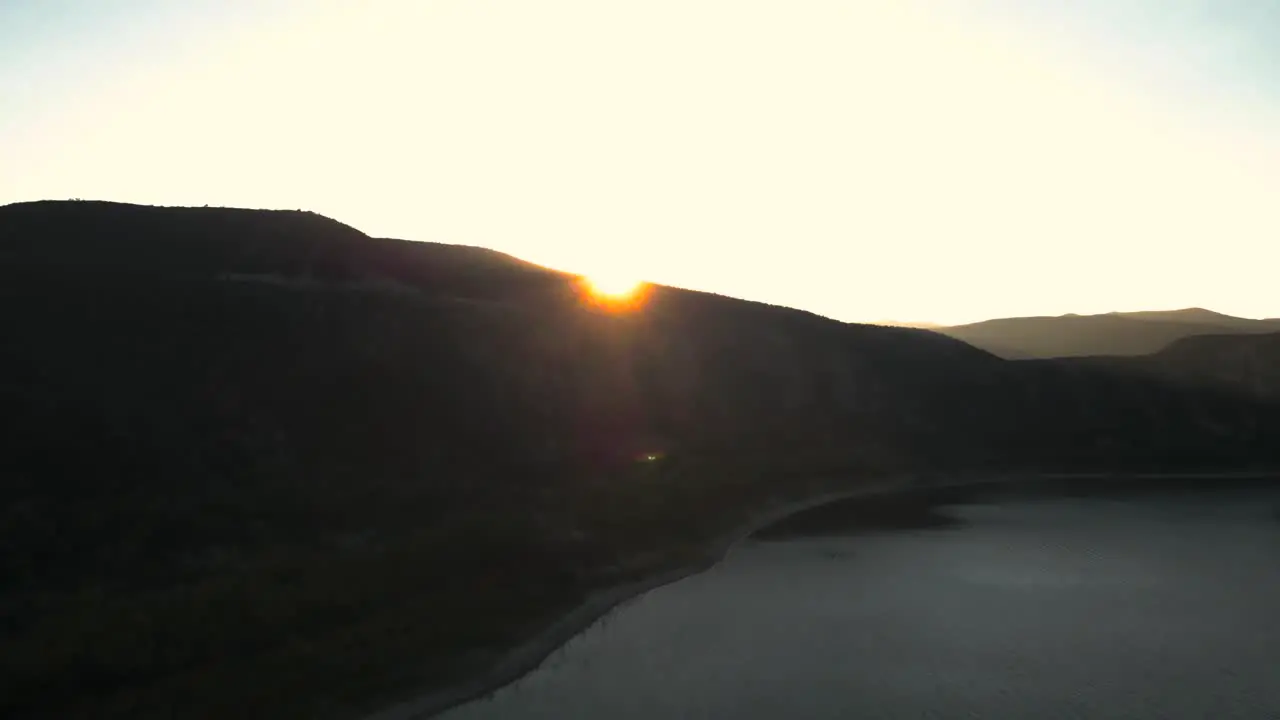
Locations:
column 930, row 160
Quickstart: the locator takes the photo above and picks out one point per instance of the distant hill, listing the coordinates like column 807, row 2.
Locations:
column 1245, row 363
column 259, row 464
column 1193, row 315
column 1129, row 333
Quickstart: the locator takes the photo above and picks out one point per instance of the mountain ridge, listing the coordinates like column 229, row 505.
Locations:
column 1242, row 363
column 1116, row 333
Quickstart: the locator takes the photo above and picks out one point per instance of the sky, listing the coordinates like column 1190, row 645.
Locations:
column 868, row 160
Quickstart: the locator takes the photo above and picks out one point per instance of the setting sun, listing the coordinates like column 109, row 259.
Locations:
column 615, row 287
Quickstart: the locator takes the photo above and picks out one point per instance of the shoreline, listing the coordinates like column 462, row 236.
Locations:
column 528, row 656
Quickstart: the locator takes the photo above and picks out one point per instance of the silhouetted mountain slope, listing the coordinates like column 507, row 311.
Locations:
column 258, row 461
column 1248, row 363
column 230, row 243
column 1134, row 333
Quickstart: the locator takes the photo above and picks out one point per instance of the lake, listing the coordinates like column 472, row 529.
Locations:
column 1104, row 600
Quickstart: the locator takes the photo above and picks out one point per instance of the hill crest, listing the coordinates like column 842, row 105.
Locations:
column 1116, row 333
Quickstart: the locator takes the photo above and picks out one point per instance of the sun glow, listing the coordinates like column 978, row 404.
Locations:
column 613, row 286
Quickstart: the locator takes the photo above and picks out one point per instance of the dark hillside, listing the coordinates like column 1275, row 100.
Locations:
column 261, row 465
column 1239, row 363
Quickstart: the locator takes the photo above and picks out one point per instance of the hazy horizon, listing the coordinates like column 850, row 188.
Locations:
column 908, row 161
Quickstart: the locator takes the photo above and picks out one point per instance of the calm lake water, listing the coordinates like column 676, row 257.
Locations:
column 1140, row 602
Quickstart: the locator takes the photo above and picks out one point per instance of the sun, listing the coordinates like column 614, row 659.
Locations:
column 611, row 286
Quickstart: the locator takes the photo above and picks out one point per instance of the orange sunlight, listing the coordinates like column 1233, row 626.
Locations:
column 613, row 290
column 617, row 287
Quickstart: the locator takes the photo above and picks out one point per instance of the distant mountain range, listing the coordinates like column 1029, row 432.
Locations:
column 1120, row 333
